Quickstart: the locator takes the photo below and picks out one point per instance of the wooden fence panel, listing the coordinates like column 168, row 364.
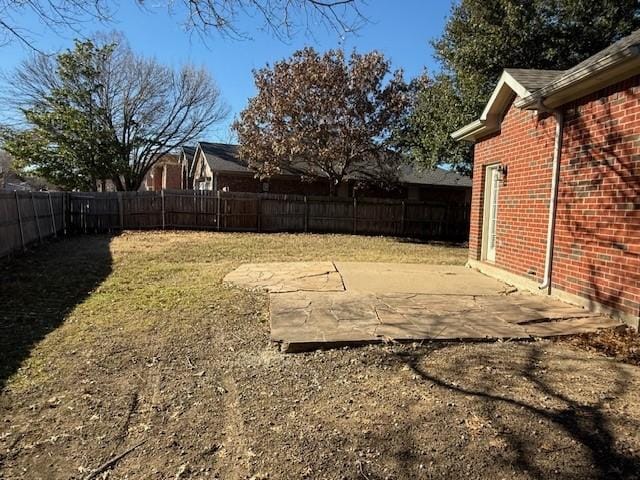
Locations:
column 239, row 212
column 10, row 234
column 91, row 213
column 27, row 217
column 58, row 206
column 282, row 213
column 190, row 209
column 330, row 215
column 379, row 217
column 207, row 210
column 142, row 210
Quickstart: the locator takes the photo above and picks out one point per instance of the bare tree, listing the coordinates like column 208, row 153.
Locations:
column 55, row 15
column 135, row 111
column 153, row 109
column 282, row 18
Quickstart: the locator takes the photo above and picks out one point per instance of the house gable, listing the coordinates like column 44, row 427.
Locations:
column 513, row 83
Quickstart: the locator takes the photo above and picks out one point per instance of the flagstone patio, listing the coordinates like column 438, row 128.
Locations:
column 319, row 304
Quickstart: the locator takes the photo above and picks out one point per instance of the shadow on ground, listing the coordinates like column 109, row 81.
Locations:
column 39, row 289
column 573, row 432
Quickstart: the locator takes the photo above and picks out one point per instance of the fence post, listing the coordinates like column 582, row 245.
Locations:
column 218, row 216
column 355, row 215
column 20, row 221
column 403, row 212
column 306, row 215
column 259, row 213
column 65, row 204
column 53, row 217
column 35, row 215
column 164, row 222
column 195, row 207
column 120, row 209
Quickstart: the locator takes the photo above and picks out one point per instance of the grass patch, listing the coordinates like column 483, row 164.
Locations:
column 79, row 292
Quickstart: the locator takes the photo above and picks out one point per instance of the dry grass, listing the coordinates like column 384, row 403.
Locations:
column 106, row 342
column 138, row 282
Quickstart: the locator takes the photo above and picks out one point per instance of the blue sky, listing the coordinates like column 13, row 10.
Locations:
column 401, row 29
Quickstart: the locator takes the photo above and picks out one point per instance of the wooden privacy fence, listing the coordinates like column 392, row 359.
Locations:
column 27, row 217
column 253, row 212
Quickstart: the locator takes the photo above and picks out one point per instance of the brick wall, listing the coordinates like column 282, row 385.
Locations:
column 597, row 244
column 525, row 146
column 172, row 179
column 156, row 178
column 597, row 238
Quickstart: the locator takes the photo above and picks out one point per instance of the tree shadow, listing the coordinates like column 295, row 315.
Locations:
column 599, row 198
column 586, row 424
column 39, row 290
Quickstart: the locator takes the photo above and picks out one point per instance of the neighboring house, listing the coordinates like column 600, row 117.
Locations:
column 165, row 174
column 556, row 181
column 217, row 166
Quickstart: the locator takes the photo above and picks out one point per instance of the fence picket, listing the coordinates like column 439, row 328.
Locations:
column 226, row 211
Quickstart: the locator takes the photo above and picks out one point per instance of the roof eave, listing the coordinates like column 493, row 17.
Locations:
column 475, row 130
column 573, row 86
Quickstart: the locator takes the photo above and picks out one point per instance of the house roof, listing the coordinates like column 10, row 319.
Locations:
column 531, row 79
column 615, row 61
column 437, row 176
column 555, row 88
column 223, row 157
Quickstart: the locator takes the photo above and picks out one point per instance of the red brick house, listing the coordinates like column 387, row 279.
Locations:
column 166, row 174
column 556, row 181
column 217, row 166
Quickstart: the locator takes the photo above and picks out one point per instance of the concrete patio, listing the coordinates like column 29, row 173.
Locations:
column 315, row 304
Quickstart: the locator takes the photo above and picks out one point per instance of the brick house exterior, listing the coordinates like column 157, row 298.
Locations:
column 166, row 174
column 583, row 245
column 215, row 166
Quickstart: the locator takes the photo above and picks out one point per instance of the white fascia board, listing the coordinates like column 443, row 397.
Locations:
column 491, row 116
column 502, row 95
column 469, row 132
column 196, row 159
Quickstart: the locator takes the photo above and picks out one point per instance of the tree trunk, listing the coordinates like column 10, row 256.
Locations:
column 117, row 181
column 333, row 187
column 134, row 181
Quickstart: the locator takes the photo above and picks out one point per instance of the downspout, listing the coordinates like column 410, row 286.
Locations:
column 553, row 201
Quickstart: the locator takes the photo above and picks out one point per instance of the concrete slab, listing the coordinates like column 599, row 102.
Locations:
column 278, row 277
column 315, row 304
column 417, row 278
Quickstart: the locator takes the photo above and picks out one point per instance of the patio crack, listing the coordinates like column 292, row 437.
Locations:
column 344, row 287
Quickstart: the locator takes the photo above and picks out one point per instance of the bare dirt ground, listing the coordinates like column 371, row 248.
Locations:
column 112, row 343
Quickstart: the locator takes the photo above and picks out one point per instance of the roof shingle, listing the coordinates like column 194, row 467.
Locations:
column 533, row 79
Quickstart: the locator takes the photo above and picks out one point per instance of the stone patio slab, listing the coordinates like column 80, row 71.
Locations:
column 417, row 278
column 315, row 304
column 279, row 277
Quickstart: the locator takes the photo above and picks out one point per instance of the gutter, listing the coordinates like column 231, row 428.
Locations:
column 553, row 201
column 468, row 132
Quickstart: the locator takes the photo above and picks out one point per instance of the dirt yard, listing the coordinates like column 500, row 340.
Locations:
column 131, row 345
